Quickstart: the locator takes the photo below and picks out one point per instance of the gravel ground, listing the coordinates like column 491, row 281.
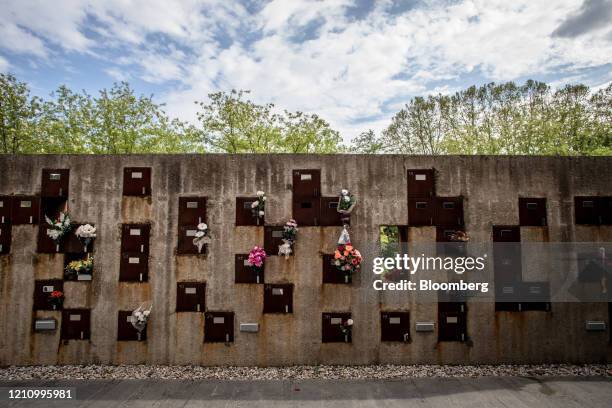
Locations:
column 90, row 372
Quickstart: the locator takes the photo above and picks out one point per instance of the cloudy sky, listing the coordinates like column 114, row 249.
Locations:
column 354, row 63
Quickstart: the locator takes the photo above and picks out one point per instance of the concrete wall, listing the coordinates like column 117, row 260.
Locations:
column 491, row 187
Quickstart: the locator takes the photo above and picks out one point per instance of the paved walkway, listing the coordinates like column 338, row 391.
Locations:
column 515, row 392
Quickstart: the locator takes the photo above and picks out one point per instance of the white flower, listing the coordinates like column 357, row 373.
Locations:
column 285, row 249
column 53, row 234
column 260, row 193
column 146, row 312
column 261, row 213
column 349, row 322
column 254, row 204
column 137, row 313
column 346, row 198
column 202, row 226
column 86, row 231
column 263, row 198
column 344, row 192
column 199, row 234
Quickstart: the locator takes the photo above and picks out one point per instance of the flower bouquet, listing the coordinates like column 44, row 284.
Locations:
column 79, row 268
column 347, row 328
column 86, row 233
column 140, row 318
column 56, row 299
column 346, row 203
column 347, row 258
column 59, row 228
column 258, row 207
column 202, row 237
column 257, row 256
column 289, row 236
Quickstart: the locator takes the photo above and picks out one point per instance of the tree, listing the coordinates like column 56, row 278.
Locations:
column 500, row 119
column 367, row 142
column 115, row 122
column 18, row 116
column 233, row 124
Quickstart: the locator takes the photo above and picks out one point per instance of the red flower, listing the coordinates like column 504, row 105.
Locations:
column 57, row 294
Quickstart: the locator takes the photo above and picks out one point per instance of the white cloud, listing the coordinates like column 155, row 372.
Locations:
column 346, row 71
column 117, row 74
column 4, row 65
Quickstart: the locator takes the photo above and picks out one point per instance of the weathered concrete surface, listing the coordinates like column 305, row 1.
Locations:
column 423, row 392
column 491, row 187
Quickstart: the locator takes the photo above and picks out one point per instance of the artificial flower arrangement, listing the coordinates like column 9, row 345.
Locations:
column 86, row 233
column 56, row 299
column 140, row 318
column 346, row 202
column 347, row 328
column 202, row 236
column 258, row 206
column 346, row 257
column 257, row 256
column 289, row 236
column 59, row 228
column 79, row 267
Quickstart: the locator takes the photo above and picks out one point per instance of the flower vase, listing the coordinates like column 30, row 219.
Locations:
column 139, row 336
column 54, row 307
column 57, row 247
column 346, row 338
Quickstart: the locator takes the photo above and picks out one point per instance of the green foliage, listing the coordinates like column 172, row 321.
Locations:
column 233, row 124
column 491, row 119
column 500, row 119
column 18, row 114
column 115, row 122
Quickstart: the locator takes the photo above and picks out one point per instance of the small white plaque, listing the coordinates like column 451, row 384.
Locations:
column 451, row 319
column 129, row 318
column 336, row 320
column 277, row 234
column 305, row 177
column 277, row 291
column 246, row 262
column 1, row 204
column 134, row 231
column 54, row 176
column 136, row 174
column 75, row 317
column 395, row 320
column 191, row 233
column 219, row 320
column 420, row 177
column 191, row 291
column 192, row 204
column 47, row 289
column 134, row 260
column 25, row 204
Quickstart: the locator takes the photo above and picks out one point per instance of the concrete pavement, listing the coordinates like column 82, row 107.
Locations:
column 515, row 392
